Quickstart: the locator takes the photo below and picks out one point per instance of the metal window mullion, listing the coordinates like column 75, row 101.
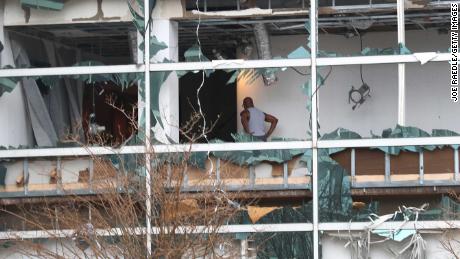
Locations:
column 285, row 175
column 456, row 165
column 147, row 143
column 185, row 179
column 26, row 176
column 218, row 170
column 252, row 176
column 314, row 125
column 401, row 66
column 353, row 166
column 91, row 173
column 59, row 175
column 387, row 168
column 421, row 168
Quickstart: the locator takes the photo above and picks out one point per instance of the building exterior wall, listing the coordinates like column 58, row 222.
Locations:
column 117, row 10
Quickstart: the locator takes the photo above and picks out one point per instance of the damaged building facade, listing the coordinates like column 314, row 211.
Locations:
column 364, row 160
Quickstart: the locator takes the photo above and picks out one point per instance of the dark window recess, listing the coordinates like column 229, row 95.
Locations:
column 219, row 5
column 218, row 103
column 118, row 124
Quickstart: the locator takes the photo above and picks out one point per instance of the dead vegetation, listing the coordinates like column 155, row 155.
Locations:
column 111, row 223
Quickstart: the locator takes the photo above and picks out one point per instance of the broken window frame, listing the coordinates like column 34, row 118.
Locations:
column 314, row 144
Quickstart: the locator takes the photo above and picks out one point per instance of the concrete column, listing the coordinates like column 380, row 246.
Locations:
column 166, row 31
column 16, row 128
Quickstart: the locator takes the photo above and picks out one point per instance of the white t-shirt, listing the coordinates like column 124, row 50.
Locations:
column 256, row 122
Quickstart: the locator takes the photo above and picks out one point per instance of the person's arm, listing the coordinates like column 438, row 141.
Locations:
column 273, row 122
column 245, row 121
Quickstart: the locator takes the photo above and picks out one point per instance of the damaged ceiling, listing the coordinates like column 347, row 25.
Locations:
column 335, row 16
column 103, row 39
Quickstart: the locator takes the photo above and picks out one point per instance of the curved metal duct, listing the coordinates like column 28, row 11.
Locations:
column 263, row 49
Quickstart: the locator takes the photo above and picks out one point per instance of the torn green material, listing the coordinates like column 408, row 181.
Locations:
column 400, row 50
column 403, row 50
column 155, row 46
column 233, row 78
column 254, row 157
column 403, row 132
column 194, row 54
column 300, row 52
column 54, row 5
column 7, row 84
column 444, row 133
column 396, row 236
column 339, row 133
column 138, row 20
column 323, row 53
column 284, row 245
column 90, row 79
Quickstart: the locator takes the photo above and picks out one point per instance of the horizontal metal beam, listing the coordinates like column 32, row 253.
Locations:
column 410, row 183
column 249, row 228
column 85, row 151
column 231, row 64
column 276, row 145
column 388, row 142
column 216, row 64
column 69, row 151
column 359, row 226
column 75, row 70
column 384, row 59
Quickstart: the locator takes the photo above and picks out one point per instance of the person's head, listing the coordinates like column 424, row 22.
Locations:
column 248, row 103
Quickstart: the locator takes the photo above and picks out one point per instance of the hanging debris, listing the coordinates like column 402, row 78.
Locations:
column 264, row 51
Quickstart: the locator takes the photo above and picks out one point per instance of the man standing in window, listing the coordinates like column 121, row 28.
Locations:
column 253, row 120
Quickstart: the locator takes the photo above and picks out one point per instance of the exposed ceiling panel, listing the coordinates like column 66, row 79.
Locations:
column 105, row 39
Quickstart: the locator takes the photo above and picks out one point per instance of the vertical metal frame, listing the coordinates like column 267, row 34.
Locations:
column 148, row 202
column 314, row 125
column 285, row 175
column 401, row 66
column 387, row 168
column 353, row 166
column 25, row 176
column 421, row 168
column 91, row 174
column 59, row 188
column 456, row 165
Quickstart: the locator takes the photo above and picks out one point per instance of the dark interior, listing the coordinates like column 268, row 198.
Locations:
column 218, row 103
